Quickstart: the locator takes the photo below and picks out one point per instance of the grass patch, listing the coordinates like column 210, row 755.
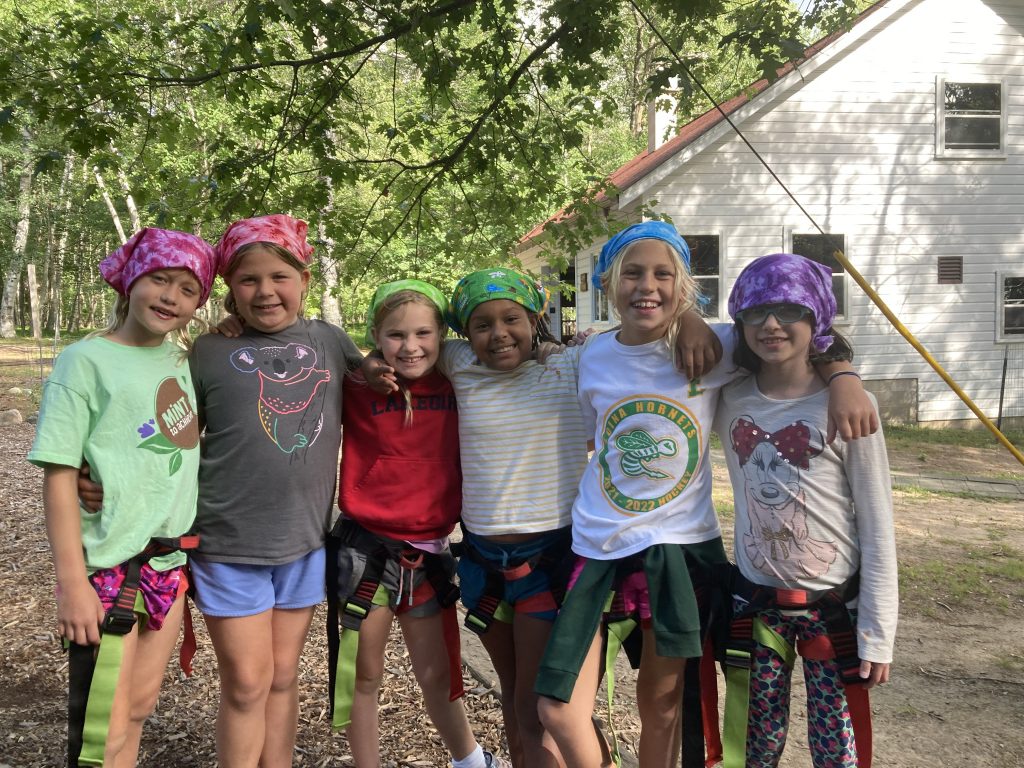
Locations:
column 990, row 575
column 917, row 492
column 909, row 437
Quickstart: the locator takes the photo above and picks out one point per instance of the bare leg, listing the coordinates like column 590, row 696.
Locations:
column 531, row 636
column 569, row 723
column 245, row 662
column 659, row 691
column 498, row 641
column 142, row 672
column 290, row 628
column 424, row 637
column 364, row 730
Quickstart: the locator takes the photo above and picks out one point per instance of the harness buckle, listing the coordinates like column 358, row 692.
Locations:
column 480, row 618
column 118, row 621
column 411, row 559
column 794, row 598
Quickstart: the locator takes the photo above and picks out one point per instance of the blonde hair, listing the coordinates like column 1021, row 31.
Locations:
column 119, row 316
column 281, row 252
column 389, row 305
column 685, row 287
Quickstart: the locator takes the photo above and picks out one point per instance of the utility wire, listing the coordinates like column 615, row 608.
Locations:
column 838, row 251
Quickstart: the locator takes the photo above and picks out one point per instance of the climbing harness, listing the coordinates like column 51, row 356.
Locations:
column 701, row 743
column 555, row 560
column 93, row 673
column 737, row 632
column 344, row 619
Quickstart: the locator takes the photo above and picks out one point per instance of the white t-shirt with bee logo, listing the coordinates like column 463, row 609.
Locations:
column 649, row 479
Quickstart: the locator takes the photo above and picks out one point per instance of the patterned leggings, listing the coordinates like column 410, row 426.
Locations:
column 829, row 729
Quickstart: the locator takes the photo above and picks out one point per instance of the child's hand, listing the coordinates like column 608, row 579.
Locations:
column 698, row 347
column 379, row 375
column 581, row 337
column 89, row 493
column 546, row 349
column 230, row 326
column 850, row 412
column 79, row 611
column 873, row 673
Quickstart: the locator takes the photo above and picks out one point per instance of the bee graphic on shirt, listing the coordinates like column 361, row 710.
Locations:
column 639, row 449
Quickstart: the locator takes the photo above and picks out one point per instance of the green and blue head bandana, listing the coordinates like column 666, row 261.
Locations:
column 490, row 284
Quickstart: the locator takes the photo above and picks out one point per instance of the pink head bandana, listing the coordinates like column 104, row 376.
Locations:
column 277, row 228
column 151, row 249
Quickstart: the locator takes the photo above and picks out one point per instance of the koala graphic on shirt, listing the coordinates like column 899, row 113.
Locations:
column 289, row 381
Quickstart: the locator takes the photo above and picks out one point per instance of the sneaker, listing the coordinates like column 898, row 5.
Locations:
column 496, row 762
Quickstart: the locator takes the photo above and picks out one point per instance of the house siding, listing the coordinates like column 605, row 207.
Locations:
column 854, row 140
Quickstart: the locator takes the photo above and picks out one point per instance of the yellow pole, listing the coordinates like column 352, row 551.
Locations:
column 912, row 340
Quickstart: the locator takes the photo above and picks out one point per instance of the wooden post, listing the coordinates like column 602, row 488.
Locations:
column 33, row 301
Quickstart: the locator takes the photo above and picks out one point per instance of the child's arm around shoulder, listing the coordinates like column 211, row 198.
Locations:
column 698, row 348
column 79, row 611
column 851, row 414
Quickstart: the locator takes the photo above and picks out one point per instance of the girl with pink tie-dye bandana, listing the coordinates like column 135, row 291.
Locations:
column 814, row 546
column 270, row 400
column 122, row 401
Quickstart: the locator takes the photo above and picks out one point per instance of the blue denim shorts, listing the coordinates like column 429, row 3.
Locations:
column 239, row 589
column 524, row 595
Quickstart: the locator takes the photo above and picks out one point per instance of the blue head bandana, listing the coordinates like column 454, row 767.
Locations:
column 647, row 230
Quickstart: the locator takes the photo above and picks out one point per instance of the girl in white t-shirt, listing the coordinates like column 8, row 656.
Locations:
column 643, row 523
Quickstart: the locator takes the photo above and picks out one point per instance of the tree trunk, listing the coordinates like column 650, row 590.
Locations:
column 133, row 212
column 330, row 306
column 11, row 279
column 33, row 303
column 75, row 315
column 60, row 250
column 110, row 204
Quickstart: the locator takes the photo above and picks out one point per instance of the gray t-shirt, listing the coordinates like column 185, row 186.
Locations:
column 271, row 405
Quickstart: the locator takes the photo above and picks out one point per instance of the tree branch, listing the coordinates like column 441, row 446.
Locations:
column 392, row 34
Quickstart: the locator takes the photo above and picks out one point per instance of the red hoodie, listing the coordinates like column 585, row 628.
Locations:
column 402, row 482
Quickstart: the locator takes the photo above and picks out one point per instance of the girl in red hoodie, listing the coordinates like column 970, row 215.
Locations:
column 401, row 495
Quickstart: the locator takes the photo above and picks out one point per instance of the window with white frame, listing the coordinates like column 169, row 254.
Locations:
column 599, row 302
column 1010, row 306
column 706, row 267
column 822, row 249
column 970, row 118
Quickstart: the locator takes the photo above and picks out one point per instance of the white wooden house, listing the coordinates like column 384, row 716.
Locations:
column 904, row 138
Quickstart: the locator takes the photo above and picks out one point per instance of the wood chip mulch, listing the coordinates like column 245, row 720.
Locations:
column 33, row 669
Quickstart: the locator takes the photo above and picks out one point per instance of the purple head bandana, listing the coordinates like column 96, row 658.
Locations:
column 151, row 249
column 785, row 278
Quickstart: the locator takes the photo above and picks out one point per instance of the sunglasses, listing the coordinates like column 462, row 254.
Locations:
column 783, row 313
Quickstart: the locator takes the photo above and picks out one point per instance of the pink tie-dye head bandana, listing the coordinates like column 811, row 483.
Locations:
column 277, row 228
column 151, row 249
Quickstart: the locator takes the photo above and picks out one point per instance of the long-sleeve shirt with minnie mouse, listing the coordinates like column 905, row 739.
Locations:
column 810, row 515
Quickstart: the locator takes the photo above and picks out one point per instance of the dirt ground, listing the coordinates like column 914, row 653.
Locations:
column 956, row 697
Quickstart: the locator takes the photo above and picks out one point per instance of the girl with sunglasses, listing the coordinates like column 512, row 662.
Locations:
column 815, row 551
column 644, row 527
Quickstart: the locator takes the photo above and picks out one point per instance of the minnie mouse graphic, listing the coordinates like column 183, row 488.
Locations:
column 778, row 543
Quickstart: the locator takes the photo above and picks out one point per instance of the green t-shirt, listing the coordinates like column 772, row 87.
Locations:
column 129, row 412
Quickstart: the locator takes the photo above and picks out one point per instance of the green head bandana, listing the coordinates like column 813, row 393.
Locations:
column 390, row 289
column 490, row 284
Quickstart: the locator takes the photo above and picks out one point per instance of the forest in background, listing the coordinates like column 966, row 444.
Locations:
column 417, row 137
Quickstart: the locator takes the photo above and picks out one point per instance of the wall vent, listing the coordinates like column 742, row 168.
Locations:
column 951, row 270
